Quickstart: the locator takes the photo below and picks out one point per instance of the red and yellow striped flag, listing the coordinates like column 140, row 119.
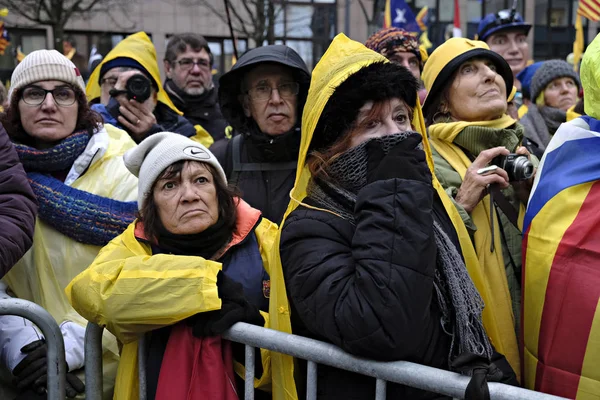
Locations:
column 589, row 9
column 561, row 268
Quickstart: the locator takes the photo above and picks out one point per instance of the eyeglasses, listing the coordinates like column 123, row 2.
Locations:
column 63, row 96
column 187, row 63
column 263, row 92
column 111, row 82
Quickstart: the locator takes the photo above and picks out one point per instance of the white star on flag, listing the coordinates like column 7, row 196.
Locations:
column 400, row 16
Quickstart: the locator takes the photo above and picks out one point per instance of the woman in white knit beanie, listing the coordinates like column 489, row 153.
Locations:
column 85, row 195
column 192, row 265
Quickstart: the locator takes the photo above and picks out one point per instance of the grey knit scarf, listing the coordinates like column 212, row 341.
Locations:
column 458, row 299
column 541, row 123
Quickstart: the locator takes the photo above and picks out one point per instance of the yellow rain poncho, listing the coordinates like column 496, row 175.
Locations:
column 167, row 289
column 140, row 48
column 343, row 58
column 47, row 268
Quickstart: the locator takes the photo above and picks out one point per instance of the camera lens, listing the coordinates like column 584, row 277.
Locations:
column 521, row 169
column 138, row 88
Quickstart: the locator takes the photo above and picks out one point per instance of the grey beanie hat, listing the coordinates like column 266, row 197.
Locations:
column 549, row 71
column 158, row 151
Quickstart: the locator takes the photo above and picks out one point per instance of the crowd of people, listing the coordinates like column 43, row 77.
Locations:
column 434, row 208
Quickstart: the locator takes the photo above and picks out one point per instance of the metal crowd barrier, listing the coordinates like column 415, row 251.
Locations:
column 54, row 340
column 315, row 352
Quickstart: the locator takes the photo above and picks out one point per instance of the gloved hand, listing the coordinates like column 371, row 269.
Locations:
column 234, row 308
column 404, row 161
column 31, row 373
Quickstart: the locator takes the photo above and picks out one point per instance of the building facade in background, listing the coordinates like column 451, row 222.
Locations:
column 308, row 26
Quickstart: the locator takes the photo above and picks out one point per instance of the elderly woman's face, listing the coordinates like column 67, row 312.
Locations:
column 389, row 117
column 187, row 203
column 477, row 93
column 48, row 117
column 561, row 93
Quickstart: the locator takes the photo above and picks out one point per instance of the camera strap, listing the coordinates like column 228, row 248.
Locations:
column 498, row 198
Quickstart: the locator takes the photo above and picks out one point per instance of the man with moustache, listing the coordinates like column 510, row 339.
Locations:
column 262, row 98
column 506, row 32
column 188, row 66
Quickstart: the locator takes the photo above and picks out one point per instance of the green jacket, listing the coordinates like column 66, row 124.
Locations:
column 511, row 236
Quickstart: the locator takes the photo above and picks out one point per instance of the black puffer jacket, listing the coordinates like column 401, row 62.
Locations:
column 369, row 289
column 266, row 190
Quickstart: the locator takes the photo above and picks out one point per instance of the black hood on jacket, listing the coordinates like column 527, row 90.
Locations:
column 230, row 84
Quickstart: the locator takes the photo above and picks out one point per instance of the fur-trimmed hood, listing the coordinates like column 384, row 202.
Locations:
column 375, row 82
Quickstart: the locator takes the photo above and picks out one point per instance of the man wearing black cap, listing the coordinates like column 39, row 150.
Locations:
column 262, row 98
column 506, row 34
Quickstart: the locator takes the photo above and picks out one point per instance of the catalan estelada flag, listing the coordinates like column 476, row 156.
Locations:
column 561, row 267
column 399, row 14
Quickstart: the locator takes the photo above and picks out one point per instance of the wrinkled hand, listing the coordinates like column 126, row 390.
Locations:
column 31, row 373
column 523, row 188
column 234, row 308
column 474, row 186
column 138, row 118
column 404, row 161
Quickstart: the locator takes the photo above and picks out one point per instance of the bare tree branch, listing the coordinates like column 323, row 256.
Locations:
column 364, row 10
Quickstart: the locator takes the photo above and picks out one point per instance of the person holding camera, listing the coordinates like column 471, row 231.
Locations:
column 128, row 94
column 480, row 162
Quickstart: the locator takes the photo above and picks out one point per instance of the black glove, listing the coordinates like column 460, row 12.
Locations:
column 404, row 161
column 31, row 373
column 481, row 371
column 234, row 308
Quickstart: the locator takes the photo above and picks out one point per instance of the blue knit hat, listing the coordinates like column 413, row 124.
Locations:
column 128, row 63
column 525, row 77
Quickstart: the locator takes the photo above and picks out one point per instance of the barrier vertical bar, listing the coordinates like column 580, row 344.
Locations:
column 311, row 380
column 93, row 362
column 380, row 389
column 56, row 365
column 142, row 366
column 249, row 376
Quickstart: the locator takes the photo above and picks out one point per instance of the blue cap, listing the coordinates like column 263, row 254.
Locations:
column 500, row 21
column 525, row 77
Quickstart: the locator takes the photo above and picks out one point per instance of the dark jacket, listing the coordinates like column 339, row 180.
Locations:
column 369, row 288
column 167, row 120
column 18, row 206
column 267, row 190
column 203, row 111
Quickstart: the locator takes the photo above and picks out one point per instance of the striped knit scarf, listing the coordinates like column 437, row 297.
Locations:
column 57, row 158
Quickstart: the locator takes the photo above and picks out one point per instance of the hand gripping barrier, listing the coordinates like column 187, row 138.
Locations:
column 315, row 352
column 57, row 367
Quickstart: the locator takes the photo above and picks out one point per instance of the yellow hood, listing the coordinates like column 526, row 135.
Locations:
column 138, row 47
column 590, row 79
column 343, row 58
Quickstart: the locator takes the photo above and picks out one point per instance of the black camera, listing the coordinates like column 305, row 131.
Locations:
column 517, row 166
column 138, row 88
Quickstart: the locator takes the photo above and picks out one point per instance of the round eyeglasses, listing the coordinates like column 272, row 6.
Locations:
column 63, row 96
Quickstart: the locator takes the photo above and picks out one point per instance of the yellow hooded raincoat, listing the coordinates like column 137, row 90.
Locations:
column 140, row 48
column 168, row 289
column 343, row 58
column 54, row 259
